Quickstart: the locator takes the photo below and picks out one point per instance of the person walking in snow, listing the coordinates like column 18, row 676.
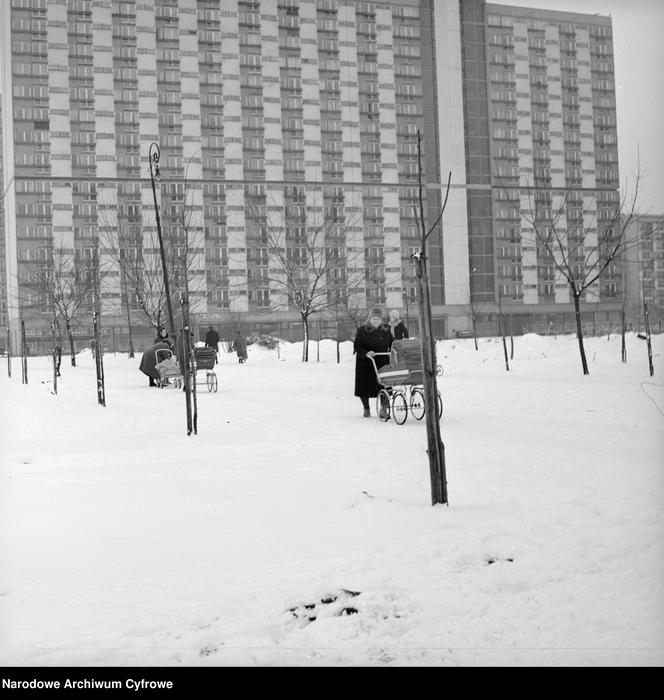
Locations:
column 240, row 347
column 371, row 337
column 398, row 329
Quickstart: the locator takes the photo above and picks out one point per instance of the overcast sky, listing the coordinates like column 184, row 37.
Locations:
column 638, row 42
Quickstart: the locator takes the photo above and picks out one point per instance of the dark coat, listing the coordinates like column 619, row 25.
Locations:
column 240, row 346
column 399, row 332
column 378, row 340
column 212, row 339
column 149, row 359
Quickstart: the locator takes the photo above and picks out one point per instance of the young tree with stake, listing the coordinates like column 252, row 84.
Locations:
column 60, row 285
column 436, row 449
column 307, row 270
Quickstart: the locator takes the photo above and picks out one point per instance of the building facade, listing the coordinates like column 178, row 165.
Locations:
column 540, row 117
column 644, row 272
column 277, row 119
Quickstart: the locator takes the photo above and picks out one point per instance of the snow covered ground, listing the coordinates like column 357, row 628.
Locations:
column 292, row 531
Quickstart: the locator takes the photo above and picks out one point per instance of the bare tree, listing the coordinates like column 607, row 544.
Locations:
column 184, row 239
column 571, row 238
column 54, row 282
column 310, row 270
column 140, row 268
column 134, row 248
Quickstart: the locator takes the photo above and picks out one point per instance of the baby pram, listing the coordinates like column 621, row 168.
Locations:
column 402, row 383
column 205, row 359
column 168, row 368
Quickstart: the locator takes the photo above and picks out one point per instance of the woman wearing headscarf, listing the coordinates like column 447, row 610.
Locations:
column 371, row 337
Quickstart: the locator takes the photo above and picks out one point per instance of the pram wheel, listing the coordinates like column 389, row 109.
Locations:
column 212, row 381
column 383, row 405
column 417, row 404
column 399, row 408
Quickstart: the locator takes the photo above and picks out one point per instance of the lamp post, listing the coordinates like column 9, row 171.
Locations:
column 154, row 173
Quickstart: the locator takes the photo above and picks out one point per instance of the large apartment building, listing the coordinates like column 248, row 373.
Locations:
column 644, row 271
column 278, row 118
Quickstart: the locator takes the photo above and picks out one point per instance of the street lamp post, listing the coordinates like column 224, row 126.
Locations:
column 154, row 154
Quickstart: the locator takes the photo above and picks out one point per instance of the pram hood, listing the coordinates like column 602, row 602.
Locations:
column 406, row 353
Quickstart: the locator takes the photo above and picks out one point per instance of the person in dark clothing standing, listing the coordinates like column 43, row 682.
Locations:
column 240, row 347
column 398, row 329
column 212, row 338
column 371, row 337
column 212, row 341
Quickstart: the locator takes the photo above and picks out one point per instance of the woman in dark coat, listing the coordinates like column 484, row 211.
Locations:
column 371, row 337
column 149, row 359
column 240, row 347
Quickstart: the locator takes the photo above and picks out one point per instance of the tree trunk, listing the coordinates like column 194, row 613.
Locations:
column 651, row 369
column 305, row 338
column 623, row 330
column 99, row 360
column 55, row 360
column 24, row 355
column 501, row 328
column 72, row 348
column 131, row 342
column 511, row 340
column 187, row 365
column 435, row 447
column 9, row 352
column 579, row 330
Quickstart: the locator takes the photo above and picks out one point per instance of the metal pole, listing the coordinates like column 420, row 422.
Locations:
column 154, row 154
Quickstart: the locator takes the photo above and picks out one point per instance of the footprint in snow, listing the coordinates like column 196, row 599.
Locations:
column 329, row 605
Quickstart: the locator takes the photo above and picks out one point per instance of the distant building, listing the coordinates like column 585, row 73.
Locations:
column 644, row 271
column 265, row 112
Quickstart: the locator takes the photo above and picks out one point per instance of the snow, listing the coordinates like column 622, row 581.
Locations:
column 126, row 542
